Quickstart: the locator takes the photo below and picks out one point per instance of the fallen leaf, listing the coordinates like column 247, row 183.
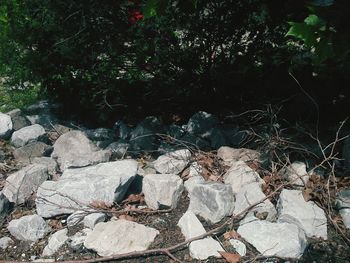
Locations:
column 133, row 199
column 308, row 194
column 232, row 234
column 230, row 257
column 127, row 217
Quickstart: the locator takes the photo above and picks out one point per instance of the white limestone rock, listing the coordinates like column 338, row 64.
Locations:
column 48, row 162
column 77, row 188
column 74, row 149
column 230, row 155
column 192, row 182
column 22, row 184
column 162, row 190
column 93, row 219
column 200, row 249
column 27, row 134
column 241, row 174
column 120, row 236
column 56, row 241
column 76, row 241
column 5, row 242
column 296, row 173
column 28, row 228
column 5, row 126
column 239, row 246
column 211, row 200
column 292, row 208
column 275, row 239
column 250, row 194
column 173, row 162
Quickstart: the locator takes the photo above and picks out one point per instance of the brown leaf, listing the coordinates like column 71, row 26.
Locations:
column 127, row 217
column 133, row 199
column 308, row 194
column 232, row 234
column 100, row 205
column 230, row 257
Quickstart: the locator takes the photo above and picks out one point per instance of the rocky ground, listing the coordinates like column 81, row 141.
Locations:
column 163, row 193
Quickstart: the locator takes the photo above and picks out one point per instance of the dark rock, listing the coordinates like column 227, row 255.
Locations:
column 119, row 149
column 100, row 134
column 122, row 131
column 27, row 153
column 201, row 123
column 19, row 121
column 5, row 207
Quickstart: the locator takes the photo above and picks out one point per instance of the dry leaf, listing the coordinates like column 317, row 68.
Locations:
column 127, row 217
column 100, row 205
column 230, row 257
column 308, row 194
column 231, row 234
column 133, row 199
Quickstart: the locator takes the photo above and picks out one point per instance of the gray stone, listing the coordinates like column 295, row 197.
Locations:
column 212, row 201
column 230, row 155
column 343, row 205
column 77, row 188
column 76, row 241
column 27, row 134
column 292, row 208
column 192, row 182
column 28, row 228
column 76, row 218
column 250, row 194
column 22, row 184
column 93, row 219
column 200, row 249
column 217, row 138
column 239, row 247
column 48, row 162
column 5, row 126
column 121, row 236
column 296, row 173
column 100, row 134
column 28, row 152
column 345, row 214
column 5, row 206
column 45, row 120
column 42, row 106
column 175, row 131
column 5, row 242
column 74, row 149
column 275, row 239
column 162, row 190
column 241, row 174
column 173, row 162
column 56, row 241
column 19, row 121
column 201, row 122
column 121, row 130
column 118, row 149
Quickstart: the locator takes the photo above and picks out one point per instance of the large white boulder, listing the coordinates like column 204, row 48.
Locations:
column 28, row 228
column 27, row 134
column 274, row 239
column 5, row 126
column 56, row 241
column 212, row 201
column 293, row 208
column 173, row 162
column 199, row 249
column 20, row 185
column 77, row 188
column 74, row 149
column 162, row 190
column 120, row 236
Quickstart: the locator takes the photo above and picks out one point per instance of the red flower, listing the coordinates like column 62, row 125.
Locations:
column 135, row 15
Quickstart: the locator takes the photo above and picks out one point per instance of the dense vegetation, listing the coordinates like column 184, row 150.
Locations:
column 102, row 58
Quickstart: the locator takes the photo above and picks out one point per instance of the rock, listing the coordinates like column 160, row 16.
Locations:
column 28, row 228
column 173, row 162
column 48, row 162
column 346, row 154
column 76, row 241
column 345, row 214
column 105, row 182
column 118, row 149
column 22, row 184
column 45, row 120
column 275, row 239
column 2, row 157
column 200, row 249
column 93, row 219
column 230, row 155
column 192, row 182
column 19, row 121
column 28, row 152
column 233, row 134
column 217, row 138
column 195, row 141
column 200, row 123
column 121, row 236
column 241, row 174
column 5, row 207
column 121, row 130
column 175, row 131
column 5, row 126
column 100, row 134
column 292, row 208
column 42, row 106
column 250, row 194
column 74, row 149
column 239, row 246
column 27, row 134
column 296, row 173
column 5, row 242
column 343, row 205
column 144, row 137
column 56, row 241
column 162, row 191
column 76, row 218
column 212, row 201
